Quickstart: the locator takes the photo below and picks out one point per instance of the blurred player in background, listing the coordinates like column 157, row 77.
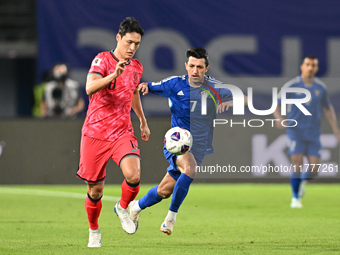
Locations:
column 107, row 131
column 305, row 137
column 184, row 94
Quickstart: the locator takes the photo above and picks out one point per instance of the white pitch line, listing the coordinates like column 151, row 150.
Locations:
column 50, row 193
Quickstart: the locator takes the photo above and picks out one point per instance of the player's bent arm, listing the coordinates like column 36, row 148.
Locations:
column 95, row 82
column 331, row 117
column 137, row 106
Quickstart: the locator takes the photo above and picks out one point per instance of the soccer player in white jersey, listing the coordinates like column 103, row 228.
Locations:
column 305, row 136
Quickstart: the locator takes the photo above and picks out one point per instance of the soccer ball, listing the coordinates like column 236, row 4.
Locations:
column 178, row 140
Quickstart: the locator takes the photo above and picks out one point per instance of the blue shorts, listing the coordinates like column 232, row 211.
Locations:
column 306, row 147
column 172, row 168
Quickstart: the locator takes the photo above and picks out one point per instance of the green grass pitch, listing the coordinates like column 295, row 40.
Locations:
column 214, row 219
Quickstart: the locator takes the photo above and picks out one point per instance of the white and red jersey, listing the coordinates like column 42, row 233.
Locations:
column 108, row 114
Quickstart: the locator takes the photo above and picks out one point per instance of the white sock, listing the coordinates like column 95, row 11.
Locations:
column 171, row 215
column 136, row 209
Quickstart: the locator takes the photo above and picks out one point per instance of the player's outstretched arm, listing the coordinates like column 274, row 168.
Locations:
column 143, row 88
column 138, row 109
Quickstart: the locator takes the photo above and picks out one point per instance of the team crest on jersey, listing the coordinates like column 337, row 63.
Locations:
column 316, row 92
column 96, row 62
column 135, row 77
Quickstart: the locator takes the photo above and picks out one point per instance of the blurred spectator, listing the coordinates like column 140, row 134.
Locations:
column 62, row 96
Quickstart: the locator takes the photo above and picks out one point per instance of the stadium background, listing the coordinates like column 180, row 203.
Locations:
column 256, row 44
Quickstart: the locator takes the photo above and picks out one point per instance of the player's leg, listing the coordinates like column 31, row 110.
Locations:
column 295, row 179
column 125, row 153
column 297, row 162
column 296, row 150
column 314, row 161
column 154, row 196
column 186, row 164
column 93, row 203
column 94, row 155
column 130, row 187
column 130, row 166
column 310, row 173
column 93, row 206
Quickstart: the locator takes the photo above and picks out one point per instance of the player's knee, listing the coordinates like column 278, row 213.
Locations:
column 164, row 194
column 189, row 171
column 95, row 191
column 296, row 163
column 133, row 178
column 96, row 194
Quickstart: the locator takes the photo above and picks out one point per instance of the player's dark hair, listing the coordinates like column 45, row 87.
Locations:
column 309, row 57
column 130, row 25
column 198, row 53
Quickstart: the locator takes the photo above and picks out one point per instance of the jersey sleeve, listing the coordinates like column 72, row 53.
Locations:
column 225, row 95
column 163, row 87
column 325, row 100
column 139, row 68
column 219, row 93
column 98, row 65
column 288, row 95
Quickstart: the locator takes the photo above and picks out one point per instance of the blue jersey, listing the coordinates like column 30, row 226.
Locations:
column 185, row 103
column 309, row 126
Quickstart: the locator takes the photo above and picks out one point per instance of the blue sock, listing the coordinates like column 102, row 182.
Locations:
column 150, row 198
column 295, row 181
column 180, row 192
column 307, row 175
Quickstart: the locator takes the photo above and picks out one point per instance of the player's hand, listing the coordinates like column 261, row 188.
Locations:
column 143, row 88
column 145, row 131
column 120, row 68
column 224, row 106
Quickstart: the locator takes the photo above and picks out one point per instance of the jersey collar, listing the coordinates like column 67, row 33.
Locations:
column 187, row 79
column 306, row 85
column 117, row 59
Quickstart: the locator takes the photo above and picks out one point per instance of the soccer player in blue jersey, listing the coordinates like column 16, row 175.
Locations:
column 184, row 94
column 305, row 136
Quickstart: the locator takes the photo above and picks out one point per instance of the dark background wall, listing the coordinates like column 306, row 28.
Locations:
column 34, row 151
column 17, row 78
